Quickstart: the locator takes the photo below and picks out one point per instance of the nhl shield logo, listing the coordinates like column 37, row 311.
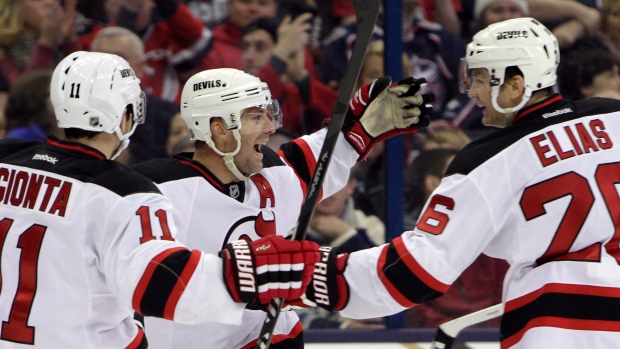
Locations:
column 93, row 121
column 234, row 191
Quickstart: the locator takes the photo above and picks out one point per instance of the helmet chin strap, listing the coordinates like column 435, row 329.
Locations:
column 124, row 143
column 228, row 157
column 509, row 112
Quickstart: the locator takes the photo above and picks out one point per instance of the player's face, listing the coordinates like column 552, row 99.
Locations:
column 256, row 126
column 481, row 91
column 257, row 49
column 242, row 12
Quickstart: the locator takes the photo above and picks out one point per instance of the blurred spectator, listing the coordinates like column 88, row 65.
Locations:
column 423, row 176
column 35, row 35
column 174, row 41
column 610, row 27
column 149, row 140
column 487, row 12
column 2, row 124
column 5, row 86
column 177, row 132
column 369, row 195
column 336, row 222
column 569, row 20
column 441, row 134
column 480, row 284
column 584, row 73
column 29, row 112
column 274, row 51
column 184, row 145
column 373, row 66
column 226, row 50
column 434, row 53
column 444, row 12
column 210, row 12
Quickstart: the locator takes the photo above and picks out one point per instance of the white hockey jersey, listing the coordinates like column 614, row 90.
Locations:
column 541, row 194
column 210, row 214
column 85, row 242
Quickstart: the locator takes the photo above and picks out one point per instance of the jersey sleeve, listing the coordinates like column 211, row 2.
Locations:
column 301, row 155
column 420, row 265
column 155, row 274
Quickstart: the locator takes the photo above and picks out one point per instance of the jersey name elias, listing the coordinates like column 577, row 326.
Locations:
column 541, row 194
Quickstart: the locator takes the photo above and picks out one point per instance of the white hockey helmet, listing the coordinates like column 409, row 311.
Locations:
column 90, row 91
column 521, row 42
column 224, row 93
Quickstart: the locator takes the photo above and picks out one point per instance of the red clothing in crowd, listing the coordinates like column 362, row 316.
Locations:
column 168, row 45
column 42, row 58
column 322, row 101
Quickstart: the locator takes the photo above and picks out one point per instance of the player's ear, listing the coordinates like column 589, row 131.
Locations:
column 515, row 87
column 218, row 128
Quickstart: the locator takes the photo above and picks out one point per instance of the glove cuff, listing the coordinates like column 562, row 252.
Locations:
column 238, row 271
column 329, row 289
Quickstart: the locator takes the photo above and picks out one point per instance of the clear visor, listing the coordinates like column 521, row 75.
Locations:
column 271, row 110
column 472, row 78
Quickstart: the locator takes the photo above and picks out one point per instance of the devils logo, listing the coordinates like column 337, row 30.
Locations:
column 247, row 228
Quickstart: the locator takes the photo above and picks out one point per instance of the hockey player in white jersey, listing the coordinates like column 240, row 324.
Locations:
column 85, row 241
column 541, row 193
column 240, row 188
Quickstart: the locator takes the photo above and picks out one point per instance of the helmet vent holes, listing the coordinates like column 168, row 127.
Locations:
column 67, row 71
column 229, row 97
column 534, row 32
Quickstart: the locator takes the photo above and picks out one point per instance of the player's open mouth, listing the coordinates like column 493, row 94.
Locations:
column 257, row 148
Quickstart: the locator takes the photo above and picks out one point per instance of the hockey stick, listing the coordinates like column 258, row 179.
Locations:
column 366, row 12
column 447, row 332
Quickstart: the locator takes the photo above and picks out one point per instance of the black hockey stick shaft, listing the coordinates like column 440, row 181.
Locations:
column 366, row 12
column 447, row 332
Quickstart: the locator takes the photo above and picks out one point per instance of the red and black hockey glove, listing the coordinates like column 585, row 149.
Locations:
column 329, row 289
column 380, row 110
column 271, row 267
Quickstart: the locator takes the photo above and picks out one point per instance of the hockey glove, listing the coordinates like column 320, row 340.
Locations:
column 329, row 289
column 271, row 267
column 380, row 110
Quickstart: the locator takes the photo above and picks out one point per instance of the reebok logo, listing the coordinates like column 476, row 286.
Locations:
column 45, row 157
column 245, row 267
column 208, row 84
column 557, row 112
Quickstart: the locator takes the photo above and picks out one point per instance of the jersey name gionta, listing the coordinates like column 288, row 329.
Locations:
column 81, row 251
